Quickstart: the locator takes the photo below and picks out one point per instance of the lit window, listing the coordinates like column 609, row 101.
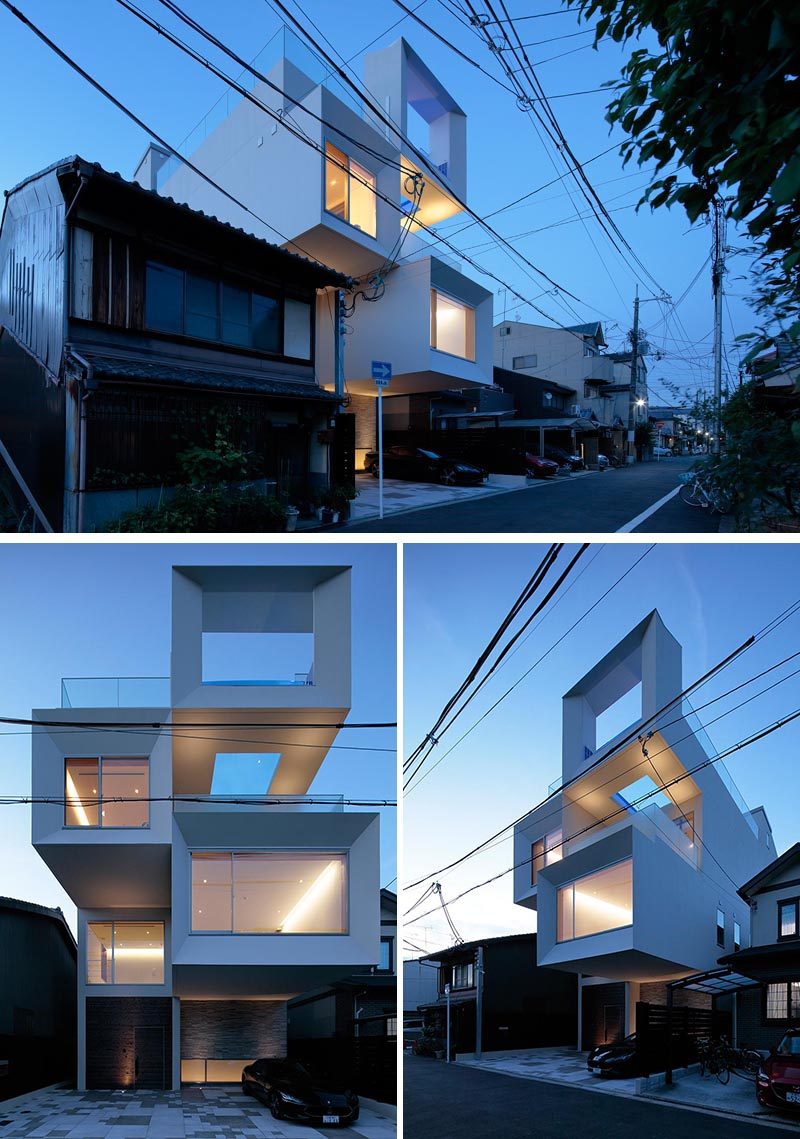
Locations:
column 788, row 918
column 737, row 936
column 349, row 190
column 545, row 851
column 125, row 953
column 720, row 929
column 91, row 785
column 783, row 1001
column 452, row 326
column 269, row 893
column 596, row 903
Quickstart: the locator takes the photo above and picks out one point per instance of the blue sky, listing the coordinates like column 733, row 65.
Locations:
column 72, row 609
column 711, row 597
column 56, row 114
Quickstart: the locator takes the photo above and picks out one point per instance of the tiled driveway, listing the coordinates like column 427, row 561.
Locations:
column 193, row 1112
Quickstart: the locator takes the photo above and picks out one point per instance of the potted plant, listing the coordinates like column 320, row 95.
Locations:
column 339, row 498
column 292, row 514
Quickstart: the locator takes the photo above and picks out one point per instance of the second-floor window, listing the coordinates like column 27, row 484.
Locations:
column 545, row 851
column 452, row 326
column 125, row 953
column 596, row 903
column 788, row 918
column 386, row 964
column 464, row 975
column 783, row 1001
column 349, row 190
column 190, row 304
column 720, row 929
column 737, row 937
column 529, row 361
column 269, row 893
column 104, row 791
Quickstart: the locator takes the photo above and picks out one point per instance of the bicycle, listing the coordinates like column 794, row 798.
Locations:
column 700, row 488
column 713, row 1057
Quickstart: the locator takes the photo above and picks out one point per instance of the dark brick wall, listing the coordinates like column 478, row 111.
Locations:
column 752, row 1029
column 232, row 1030
column 655, row 993
column 123, row 1030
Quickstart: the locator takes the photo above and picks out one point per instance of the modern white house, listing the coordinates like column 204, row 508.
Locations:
column 632, row 885
column 210, row 890
column 332, row 180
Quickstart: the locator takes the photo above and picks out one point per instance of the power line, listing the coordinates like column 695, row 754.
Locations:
column 177, row 734
column 158, row 724
column 106, row 800
column 709, row 762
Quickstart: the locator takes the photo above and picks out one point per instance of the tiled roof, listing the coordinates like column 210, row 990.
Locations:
column 166, row 374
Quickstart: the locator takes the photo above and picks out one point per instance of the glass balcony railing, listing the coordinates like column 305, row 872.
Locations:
column 115, row 692
column 703, row 738
column 556, row 785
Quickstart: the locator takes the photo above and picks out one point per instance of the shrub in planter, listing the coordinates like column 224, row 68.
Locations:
column 207, row 510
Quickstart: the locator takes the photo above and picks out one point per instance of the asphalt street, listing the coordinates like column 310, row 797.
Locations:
column 450, row 1102
column 601, row 503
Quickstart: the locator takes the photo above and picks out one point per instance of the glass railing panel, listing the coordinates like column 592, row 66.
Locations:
column 115, row 691
column 703, row 738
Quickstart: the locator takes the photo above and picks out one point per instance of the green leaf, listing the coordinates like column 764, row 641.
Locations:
column 786, row 186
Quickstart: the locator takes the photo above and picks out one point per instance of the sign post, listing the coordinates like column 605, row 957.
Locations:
column 381, row 374
column 447, row 995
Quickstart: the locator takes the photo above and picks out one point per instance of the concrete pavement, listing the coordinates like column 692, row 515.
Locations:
column 598, row 503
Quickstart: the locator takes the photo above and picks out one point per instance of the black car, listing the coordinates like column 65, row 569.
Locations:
column 420, row 465
column 292, row 1091
column 618, row 1059
column 557, row 455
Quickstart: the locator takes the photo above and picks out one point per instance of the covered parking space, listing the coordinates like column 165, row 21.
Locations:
column 714, row 983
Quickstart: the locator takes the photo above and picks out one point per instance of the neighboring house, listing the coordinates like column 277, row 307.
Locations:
column 132, row 329
column 353, row 199
column 670, row 428
column 203, row 909
column 772, row 959
column 630, row 895
column 777, row 372
column 522, row 1006
column 38, row 1022
column 420, row 988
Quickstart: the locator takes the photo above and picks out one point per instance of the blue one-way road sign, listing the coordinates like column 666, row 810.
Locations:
column 381, row 372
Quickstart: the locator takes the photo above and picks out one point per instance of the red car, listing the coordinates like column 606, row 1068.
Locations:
column 538, row 468
column 778, row 1082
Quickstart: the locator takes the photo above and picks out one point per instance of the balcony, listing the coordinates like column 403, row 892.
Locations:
column 115, row 692
column 653, row 822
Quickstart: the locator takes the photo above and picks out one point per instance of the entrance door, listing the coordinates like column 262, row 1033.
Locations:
column 150, row 1056
column 612, row 1023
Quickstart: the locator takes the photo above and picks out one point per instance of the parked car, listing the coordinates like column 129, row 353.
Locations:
column 410, row 1035
column 292, row 1091
column 563, row 458
column 618, row 1059
column 420, row 465
column 538, row 468
column 778, row 1080
column 662, row 452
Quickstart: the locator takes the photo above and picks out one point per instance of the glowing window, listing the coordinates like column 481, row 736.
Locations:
column 125, row 953
column 106, row 792
column 269, row 893
column 452, row 326
column 349, row 190
column 545, row 851
column 596, row 903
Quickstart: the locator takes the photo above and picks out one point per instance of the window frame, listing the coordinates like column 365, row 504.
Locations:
column 469, row 967
column 99, row 825
column 795, row 902
column 114, row 922
column 737, row 936
column 792, row 1008
column 539, row 861
column 348, row 174
column 390, row 969
column 471, row 310
column 720, row 928
column 583, row 878
column 288, row 851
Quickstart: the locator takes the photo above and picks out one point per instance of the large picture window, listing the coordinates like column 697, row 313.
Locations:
column 596, row 903
column 125, row 953
column 349, row 190
column 269, row 893
column 783, row 1001
column 105, row 791
column 544, row 851
column 452, row 326
column 204, row 308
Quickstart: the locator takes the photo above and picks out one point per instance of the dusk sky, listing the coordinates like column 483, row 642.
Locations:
column 711, row 598
column 57, row 114
column 104, row 610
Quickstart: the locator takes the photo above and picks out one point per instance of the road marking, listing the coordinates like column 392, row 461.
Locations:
column 640, row 518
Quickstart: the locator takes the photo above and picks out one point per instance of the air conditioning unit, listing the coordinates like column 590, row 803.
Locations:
column 505, row 330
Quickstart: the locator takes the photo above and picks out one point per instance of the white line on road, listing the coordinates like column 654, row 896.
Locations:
column 640, row 518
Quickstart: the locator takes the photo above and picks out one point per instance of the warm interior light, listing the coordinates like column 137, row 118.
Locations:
column 134, row 951
column 314, row 895
column 622, row 915
column 74, row 800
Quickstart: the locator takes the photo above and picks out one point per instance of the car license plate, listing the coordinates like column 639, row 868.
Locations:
column 330, row 1119
column 793, row 1097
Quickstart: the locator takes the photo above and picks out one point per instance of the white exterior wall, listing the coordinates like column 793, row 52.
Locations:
column 764, row 905
column 560, row 355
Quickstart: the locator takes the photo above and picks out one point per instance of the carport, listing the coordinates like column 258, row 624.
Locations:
column 715, row 983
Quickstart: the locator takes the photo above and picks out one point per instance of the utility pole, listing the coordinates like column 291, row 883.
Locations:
column 717, row 271
column 479, row 1003
column 634, row 370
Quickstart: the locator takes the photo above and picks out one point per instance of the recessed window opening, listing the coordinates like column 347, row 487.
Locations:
column 596, row 903
column 258, row 658
column 640, row 795
column 624, row 712
column 417, row 130
column 125, row 953
column 92, row 784
column 243, row 774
